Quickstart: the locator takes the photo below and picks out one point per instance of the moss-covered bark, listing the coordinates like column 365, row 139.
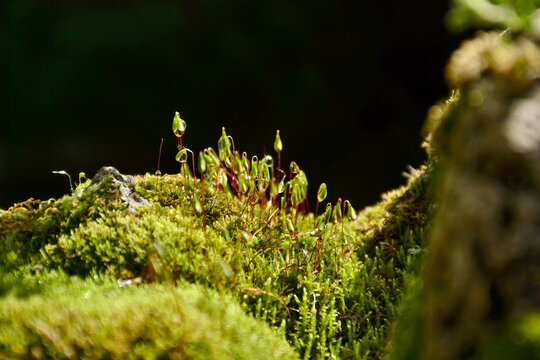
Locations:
column 481, row 283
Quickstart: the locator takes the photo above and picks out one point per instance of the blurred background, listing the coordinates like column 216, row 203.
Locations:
column 92, row 83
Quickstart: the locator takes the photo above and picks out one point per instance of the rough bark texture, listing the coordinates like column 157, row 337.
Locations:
column 483, row 274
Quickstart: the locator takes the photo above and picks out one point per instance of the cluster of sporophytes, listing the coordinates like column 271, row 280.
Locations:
column 257, row 181
column 330, row 282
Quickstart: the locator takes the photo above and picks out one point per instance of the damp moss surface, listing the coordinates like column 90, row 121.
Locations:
column 202, row 272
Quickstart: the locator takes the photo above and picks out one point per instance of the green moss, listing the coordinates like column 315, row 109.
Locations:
column 407, row 336
column 69, row 318
column 332, row 288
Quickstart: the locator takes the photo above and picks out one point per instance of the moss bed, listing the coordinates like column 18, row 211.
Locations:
column 203, row 273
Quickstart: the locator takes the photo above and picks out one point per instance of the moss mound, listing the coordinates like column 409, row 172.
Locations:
column 59, row 317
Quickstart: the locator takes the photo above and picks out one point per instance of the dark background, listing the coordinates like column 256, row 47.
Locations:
column 92, row 83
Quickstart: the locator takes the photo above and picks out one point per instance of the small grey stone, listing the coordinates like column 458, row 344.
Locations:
column 133, row 202
column 109, row 170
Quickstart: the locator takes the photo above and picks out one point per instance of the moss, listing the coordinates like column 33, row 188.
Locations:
column 408, row 331
column 333, row 288
column 28, row 227
column 405, row 209
column 219, row 252
column 76, row 319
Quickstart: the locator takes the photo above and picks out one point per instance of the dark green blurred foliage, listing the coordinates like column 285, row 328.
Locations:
column 86, row 84
column 514, row 15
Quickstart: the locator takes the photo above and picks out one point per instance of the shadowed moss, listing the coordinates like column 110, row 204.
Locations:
column 477, row 297
column 520, row 341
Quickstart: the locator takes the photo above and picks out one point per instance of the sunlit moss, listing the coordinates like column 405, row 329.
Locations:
column 59, row 317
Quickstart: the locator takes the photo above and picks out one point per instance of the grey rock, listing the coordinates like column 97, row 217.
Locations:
column 123, row 182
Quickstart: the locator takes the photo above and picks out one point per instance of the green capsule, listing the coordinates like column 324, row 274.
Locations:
column 82, row 177
column 244, row 187
column 300, row 185
column 245, row 161
column 294, row 167
column 227, row 162
column 296, row 197
column 178, row 125
column 201, row 163
column 273, row 189
column 328, row 213
column 268, row 161
column 336, row 215
column 265, row 173
column 63, row 172
column 278, row 145
column 262, row 185
column 319, row 223
column 224, row 145
column 186, row 170
column 222, row 177
column 238, row 166
column 281, row 186
column 302, row 179
column 321, row 194
column 254, row 167
column 283, row 202
column 265, row 163
column 182, row 156
column 209, row 159
column 351, row 214
column 214, row 159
